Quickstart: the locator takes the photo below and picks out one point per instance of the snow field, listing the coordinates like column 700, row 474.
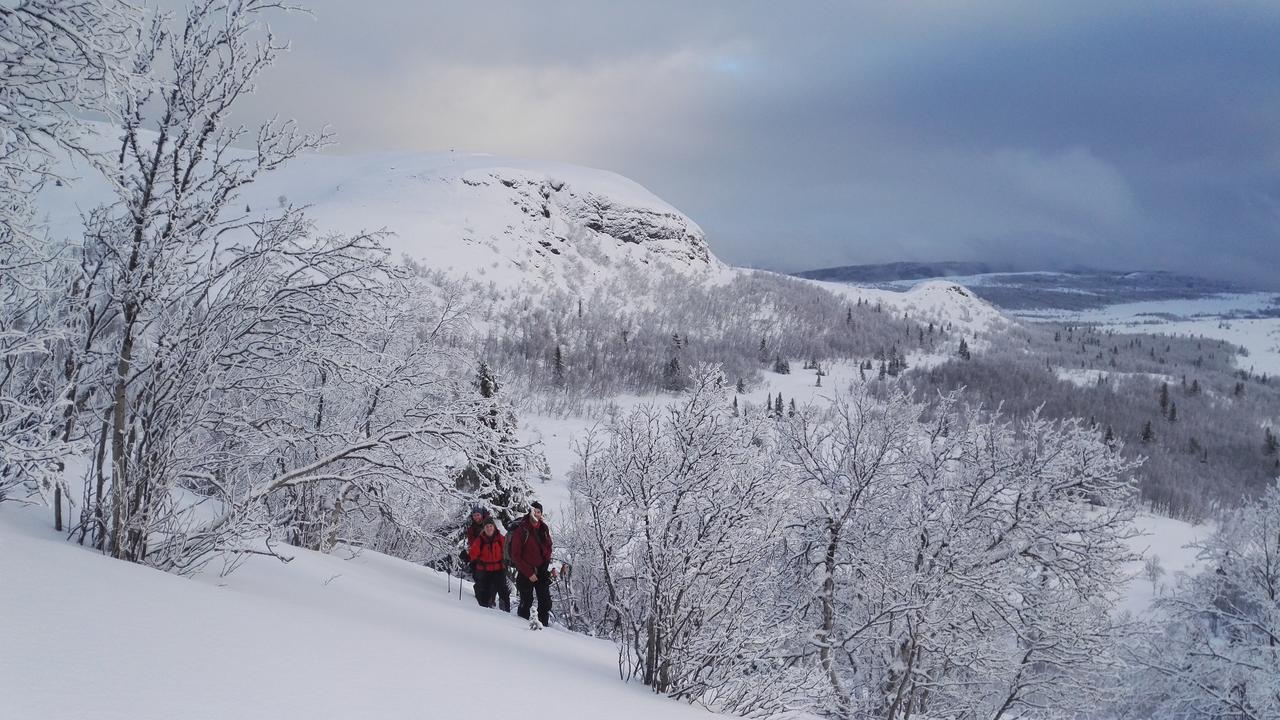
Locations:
column 84, row 636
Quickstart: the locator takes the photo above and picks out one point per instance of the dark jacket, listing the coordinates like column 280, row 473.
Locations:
column 530, row 547
column 486, row 553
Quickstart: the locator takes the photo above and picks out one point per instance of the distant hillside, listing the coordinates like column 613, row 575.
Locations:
column 890, row 272
column 1070, row 290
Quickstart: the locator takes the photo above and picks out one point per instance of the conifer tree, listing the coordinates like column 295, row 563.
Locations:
column 485, row 382
column 673, row 375
column 557, row 368
column 1148, row 435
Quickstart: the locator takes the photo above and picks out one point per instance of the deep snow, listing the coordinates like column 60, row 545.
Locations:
column 84, row 636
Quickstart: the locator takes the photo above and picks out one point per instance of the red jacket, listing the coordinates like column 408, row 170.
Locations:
column 530, row 547
column 486, row 553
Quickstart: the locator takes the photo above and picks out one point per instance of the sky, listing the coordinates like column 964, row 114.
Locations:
column 1133, row 135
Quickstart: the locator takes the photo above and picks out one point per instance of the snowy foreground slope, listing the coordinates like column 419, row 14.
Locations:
column 319, row 637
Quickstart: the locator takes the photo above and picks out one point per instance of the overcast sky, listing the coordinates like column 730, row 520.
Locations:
column 807, row 134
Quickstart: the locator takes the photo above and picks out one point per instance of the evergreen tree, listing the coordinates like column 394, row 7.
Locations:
column 485, row 382
column 763, row 354
column 557, row 368
column 777, row 406
column 1109, row 437
column 884, row 370
column 496, row 475
column 963, row 352
column 780, row 366
column 1270, row 445
column 741, row 387
column 1173, row 412
column 1164, row 398
column 1148, row 435
column 673, row 375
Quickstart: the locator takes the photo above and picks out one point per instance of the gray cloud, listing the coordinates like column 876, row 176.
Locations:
column 818, row 133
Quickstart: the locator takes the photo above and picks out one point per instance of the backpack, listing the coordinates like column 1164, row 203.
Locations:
column 506, row 546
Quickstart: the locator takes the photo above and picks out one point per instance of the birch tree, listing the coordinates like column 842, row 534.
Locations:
column 680, row 504
column 58, row 58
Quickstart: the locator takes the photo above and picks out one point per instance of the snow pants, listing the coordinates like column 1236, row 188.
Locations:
column 489, row 583
column 543, row 590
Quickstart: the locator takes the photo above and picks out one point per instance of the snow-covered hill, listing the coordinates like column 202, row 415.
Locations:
column 938, row 301
column 84, row 636
column 498, row 219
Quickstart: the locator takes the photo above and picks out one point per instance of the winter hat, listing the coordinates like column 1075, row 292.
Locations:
column 489, row 521
column 535, row 504
column 484, row 512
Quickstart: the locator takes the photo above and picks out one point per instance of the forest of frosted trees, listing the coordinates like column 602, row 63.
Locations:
column 1202, row 424
column 184, row 383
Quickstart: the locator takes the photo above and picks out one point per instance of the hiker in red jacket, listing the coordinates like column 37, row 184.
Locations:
column 490, row 571
column 530, row 553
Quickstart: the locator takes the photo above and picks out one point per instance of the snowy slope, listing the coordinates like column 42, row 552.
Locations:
column 937, row 301
column 83, row 636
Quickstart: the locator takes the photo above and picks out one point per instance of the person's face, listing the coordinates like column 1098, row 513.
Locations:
column 536, row 514
column 489, row 530
column 476, row 517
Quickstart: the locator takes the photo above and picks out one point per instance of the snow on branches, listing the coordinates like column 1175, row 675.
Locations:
column 232, row 377
column 1214, row 650
column 869, row 557
column 960, row 565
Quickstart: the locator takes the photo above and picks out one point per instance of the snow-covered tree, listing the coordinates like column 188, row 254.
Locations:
column 58, row 60
column 1215, row 652
column 964, row 567
column 241, row 377
column 678, row 502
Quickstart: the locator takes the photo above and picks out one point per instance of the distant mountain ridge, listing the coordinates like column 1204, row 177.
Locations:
column 890, row 272
column 1021, row 289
